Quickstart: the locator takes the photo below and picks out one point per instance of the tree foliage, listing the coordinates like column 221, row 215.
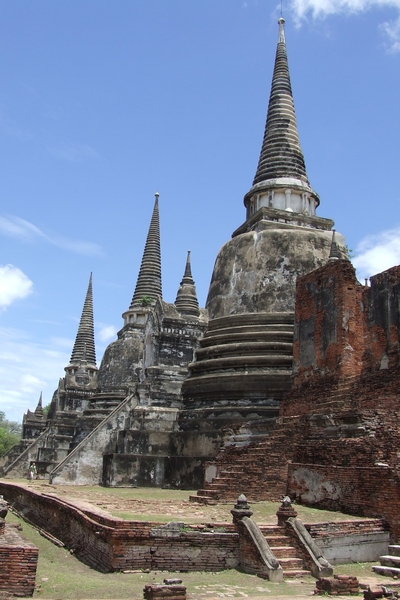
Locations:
column 10, row 433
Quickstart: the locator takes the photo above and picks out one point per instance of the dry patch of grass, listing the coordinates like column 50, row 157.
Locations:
column 154, row 504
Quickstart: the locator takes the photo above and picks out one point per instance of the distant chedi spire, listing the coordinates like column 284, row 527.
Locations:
column 148, row 284
column 186, row 300
column 82, row 367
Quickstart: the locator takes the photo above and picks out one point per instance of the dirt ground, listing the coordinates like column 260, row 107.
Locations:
column 145, row 503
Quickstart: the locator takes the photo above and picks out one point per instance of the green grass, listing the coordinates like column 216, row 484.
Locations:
column 60, row 576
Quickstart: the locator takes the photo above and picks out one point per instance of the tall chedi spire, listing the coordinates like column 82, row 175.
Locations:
column 281, row 180
column 121, row 367
column 84, row 349
column 148, row 284
column 186, row 299
column 82, row 366
column 281, row 155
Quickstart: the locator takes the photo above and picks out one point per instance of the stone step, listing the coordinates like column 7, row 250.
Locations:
column 388, row 571
column 93, row 412
column 208, row 492
column 277, row 541
column 248, row 437
column 62, row 437
column 390, row 560
column 394, row 550
column 284, row 552
column 233, row 471
column 203, row 499
column 244, row 348
column 286, row 329
column 272, row 530
column 282, row 364
column 291, row 564
column 293, row 573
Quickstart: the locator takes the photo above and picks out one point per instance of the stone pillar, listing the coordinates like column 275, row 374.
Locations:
column 241, row 509
column 285, row 511
column 287, row 198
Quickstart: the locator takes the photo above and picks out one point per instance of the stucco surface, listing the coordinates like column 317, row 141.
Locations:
column 257, row 271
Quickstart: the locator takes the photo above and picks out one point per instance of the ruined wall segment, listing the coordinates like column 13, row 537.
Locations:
column 344, row 329
column 383, row 323
column 329, row 323
column 344, row 407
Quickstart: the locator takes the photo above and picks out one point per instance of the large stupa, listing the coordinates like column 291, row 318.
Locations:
column 243, row 368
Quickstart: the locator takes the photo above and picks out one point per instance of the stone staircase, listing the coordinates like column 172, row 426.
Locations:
column 340, row 398
column 283, row 549
column 69, row 429
column 258, row 469
column 390, row 563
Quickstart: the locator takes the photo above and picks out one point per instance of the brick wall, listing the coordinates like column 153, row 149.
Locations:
column 18, row 563
column 109, row 544
column 363, row 491
column 342, row 328
column 329, row 328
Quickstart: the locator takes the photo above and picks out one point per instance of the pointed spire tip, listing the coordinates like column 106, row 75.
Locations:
column 281, row 23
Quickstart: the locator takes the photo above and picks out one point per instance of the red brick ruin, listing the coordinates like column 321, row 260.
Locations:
column 336, row 442
column 18, row 559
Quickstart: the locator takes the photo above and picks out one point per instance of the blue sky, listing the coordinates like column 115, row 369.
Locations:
column 104, row 102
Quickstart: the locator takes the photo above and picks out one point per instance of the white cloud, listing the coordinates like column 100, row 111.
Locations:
column 29, row 383
column 14, row 285
column 79, row 247
column 392, row 31
column 106, row 332
column 27, row 368
column 376, row 253
column 320, row 9
column 20, row 228
column 16, row 227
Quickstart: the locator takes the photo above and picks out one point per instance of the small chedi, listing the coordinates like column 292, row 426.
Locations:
column 285, row 383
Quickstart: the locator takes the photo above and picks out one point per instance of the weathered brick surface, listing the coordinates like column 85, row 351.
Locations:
column 18, row 563
column 331, row 529
column 171, row 591
column 344, row 329
column 364, row 491
column 345, row 401
column 341, row 418
column 338, row 585
column 250, row 559
column 109, row 544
